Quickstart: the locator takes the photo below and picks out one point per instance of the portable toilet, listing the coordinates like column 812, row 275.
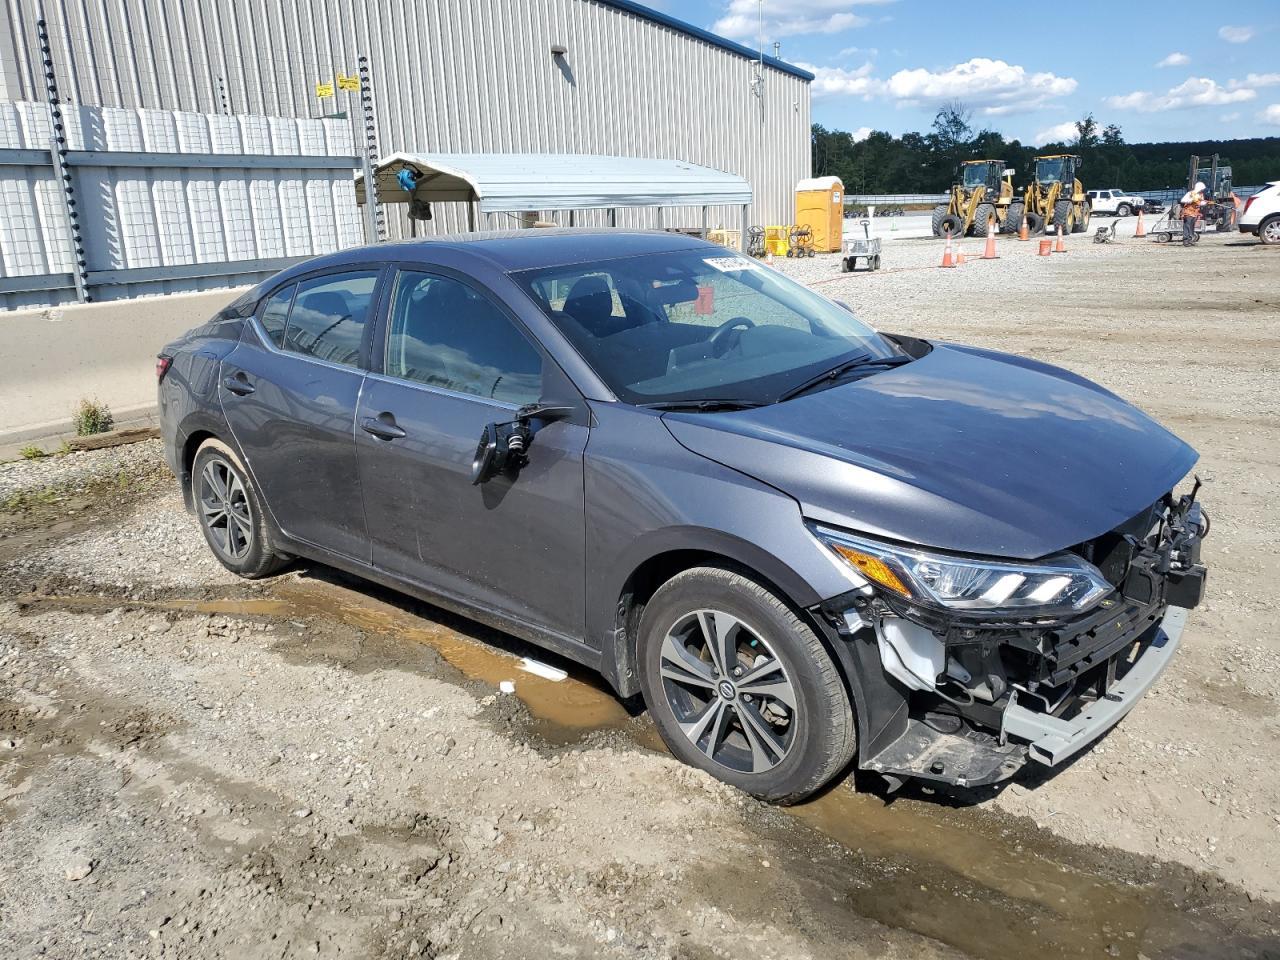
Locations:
column 820, row 206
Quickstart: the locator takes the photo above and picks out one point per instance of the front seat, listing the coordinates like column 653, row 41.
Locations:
column 590, row 302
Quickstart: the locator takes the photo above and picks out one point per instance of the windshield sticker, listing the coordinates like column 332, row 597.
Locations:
column 730, row 264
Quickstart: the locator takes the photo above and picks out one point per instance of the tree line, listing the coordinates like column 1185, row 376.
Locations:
column 926, row 162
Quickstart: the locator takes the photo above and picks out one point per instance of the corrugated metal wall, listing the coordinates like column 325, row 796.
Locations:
column 141, row 224
column 448, row 75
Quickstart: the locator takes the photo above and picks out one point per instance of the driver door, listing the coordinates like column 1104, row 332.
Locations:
column 453, row 361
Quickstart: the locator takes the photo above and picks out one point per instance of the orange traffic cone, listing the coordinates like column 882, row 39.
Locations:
column 959, row 259
column 1141, row 231
column 1024, row 232
column 1046, row 247
column 990, row 252
column 947, row 259
column 1059, row 247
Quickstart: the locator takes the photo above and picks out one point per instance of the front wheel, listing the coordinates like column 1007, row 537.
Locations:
column 739, row 686
column 1123, row 210
column 231, row 514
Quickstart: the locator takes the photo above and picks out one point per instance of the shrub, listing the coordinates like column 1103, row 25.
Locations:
column 92, row 416
column 32, row 452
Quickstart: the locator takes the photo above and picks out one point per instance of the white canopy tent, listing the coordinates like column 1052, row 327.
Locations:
column 520, row 182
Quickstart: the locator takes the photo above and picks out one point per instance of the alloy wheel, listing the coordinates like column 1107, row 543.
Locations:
column 1271, row 232
column 728, row 691
column 225, row 510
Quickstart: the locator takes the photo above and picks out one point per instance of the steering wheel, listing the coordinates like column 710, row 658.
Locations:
column 722, row 340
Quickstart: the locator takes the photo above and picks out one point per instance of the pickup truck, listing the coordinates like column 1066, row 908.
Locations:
column 1115, row 201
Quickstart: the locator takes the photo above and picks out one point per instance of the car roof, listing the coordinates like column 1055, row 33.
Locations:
column 514, row 250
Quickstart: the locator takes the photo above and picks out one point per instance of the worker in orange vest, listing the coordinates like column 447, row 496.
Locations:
column 1192, row 201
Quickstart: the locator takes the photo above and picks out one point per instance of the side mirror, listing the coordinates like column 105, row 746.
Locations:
column 505, row 446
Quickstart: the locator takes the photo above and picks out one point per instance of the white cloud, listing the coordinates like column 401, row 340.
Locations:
column 1059, row 133
column 1236, row 34
column 860, row 134
column 1271, row 114
column 1255, row 80
column 1193, row 92
column 1174, row 59
column 839, row 82
column 741, row 18
column 993, row 87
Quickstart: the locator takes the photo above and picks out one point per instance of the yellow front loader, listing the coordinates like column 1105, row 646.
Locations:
column 983, row 190
column 1056, row 197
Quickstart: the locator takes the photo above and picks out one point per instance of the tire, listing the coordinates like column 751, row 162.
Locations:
column 1062, row 216
column 780, row 745
column 1013, row 218
column 985, row 213
column 844, row 264
column 1081, row 223
column 1269, row 230
column 939, row 212
column 1035, row 224
column 954, row 224
column 234, row 524
column 876, row 264
column 1124, row 210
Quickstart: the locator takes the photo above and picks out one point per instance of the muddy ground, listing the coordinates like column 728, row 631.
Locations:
column 193, row 766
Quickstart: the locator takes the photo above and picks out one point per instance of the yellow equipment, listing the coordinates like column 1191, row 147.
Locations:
column 777, row 239
column 1055, row 196
column 820, row 206
column 983, row 190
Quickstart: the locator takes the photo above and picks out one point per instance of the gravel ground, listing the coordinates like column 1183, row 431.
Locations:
column 192, row 766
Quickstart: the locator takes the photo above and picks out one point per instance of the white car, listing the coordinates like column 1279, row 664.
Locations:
column 1115, row 201
column 1261, row 214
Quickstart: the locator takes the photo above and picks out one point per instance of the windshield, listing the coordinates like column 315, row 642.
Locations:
column 975, row 174
column 1051, row 171
column 698, row 324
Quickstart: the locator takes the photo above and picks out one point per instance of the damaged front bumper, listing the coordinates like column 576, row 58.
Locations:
column 963, row 698
column 1051, row 740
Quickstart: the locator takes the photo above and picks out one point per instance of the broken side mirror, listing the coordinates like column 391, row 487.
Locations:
column 504, row 447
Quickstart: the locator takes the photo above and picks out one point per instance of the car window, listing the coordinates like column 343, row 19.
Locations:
column 445, row 334
column 275, row 313
column 328, row 316
column 697, row 324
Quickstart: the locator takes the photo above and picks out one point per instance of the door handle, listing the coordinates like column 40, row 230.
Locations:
column 383, row 426
column 238, row 384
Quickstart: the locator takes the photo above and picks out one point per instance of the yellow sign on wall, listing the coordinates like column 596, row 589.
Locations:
column 324, row 90
column 348, row 83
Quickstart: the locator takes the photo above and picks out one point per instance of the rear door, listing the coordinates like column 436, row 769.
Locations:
column 453, row 360
column 289, row 393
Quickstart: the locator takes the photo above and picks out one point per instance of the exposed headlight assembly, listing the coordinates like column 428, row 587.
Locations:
column 1061, row 584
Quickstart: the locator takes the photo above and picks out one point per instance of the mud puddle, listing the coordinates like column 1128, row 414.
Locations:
column 985, row 885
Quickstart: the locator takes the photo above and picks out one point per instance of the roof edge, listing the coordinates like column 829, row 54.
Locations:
column 655, row 16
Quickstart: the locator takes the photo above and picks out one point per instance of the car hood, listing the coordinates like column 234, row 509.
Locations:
column 963, row 449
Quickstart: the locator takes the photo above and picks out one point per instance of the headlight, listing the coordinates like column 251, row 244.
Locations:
column 1062, row 583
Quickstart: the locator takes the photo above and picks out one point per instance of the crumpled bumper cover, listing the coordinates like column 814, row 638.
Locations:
column 1051, row 740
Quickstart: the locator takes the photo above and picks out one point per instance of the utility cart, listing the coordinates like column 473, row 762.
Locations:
column 1169, row 227
column 865, row 247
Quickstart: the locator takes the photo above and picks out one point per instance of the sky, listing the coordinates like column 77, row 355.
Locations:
column 1173, row 70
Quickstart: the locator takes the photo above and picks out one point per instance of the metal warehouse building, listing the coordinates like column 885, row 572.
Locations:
column 448, row 76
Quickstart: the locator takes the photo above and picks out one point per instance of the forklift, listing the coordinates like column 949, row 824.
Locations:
column 1222, row 208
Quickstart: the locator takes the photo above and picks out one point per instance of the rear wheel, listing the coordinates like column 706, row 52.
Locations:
column 741, row 687
column 1269, row 230
column 231, row 514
